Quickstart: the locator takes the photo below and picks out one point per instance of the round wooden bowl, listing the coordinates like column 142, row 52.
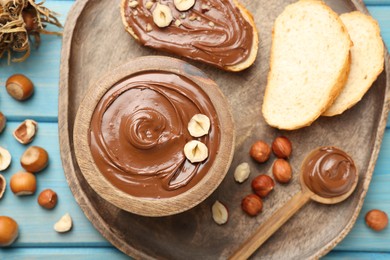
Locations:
column 154, row 206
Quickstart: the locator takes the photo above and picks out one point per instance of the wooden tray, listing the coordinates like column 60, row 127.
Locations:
column 95, row 41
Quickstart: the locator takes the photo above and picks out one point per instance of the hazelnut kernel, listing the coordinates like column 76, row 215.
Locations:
column 377, row 219
column 282, row 171
column 47, row 199
column 252, row 204
column 8, row 230
column 5, row 158
column 34, row 159
column 282, row 147
column 260, row 151
column 262, row 185
column 23, row 183
column 19, row 87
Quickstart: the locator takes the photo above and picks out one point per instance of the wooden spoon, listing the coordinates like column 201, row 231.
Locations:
column 272, row 224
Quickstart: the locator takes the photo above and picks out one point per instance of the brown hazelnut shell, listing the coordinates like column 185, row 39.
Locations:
column 9, row 231
column 34, row 159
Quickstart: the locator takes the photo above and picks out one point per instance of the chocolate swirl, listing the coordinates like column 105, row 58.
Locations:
column 138, row 131
column 329, row 172
column 219, row 36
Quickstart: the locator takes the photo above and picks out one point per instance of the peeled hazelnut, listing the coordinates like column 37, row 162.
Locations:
column 220, row 213
column 64, row 224
column 19, row 87
column 3, row 184
column 242, row 172
column 23, row 183
column 252, row 204
column 34, row 159
column 196, row 151
column 26, row 131
column 260, row 151
column 183, row 5
column 5, row 158
column 262, row 185
column 199, row 124
column 47, row 199
column 282, row 171
column 9, row 230
column 162, row 15
column 3, row 121
column 282, row 147
column 377, row 219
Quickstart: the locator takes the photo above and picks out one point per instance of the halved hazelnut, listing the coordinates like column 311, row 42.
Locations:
column 19, row 87
column 162, row 15
column 23, row 183
column 64, row 224
column 26, row 131
column 5, row 158
column 196, row 151
column 3, row 121
column 2, row 185
column 34, row 159
column 220, row 213
column 8, row 230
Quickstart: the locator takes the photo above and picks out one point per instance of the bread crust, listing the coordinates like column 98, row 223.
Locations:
column 244, row 12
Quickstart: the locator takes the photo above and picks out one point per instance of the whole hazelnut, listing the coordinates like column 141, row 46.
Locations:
column 23, row 183
column 252, row 204
column 34, row 159
column 3, row 184
column 262, row 185
column 19, row 87
column 377, row 219
column 47, row 199
column 282, row 147
column 260, row 151
column 282, row 171
column 8, row 230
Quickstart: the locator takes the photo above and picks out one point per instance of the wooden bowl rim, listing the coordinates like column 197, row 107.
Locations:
column 149, row 206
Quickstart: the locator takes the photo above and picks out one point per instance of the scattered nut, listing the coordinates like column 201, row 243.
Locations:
column 5, row 158
column 211, row 24
column 149, row 27
column 183, row 5
column 26, row 131
column 242, row 172
column 282, row 171
column 205, row 8
column 3, row 185
column 133, row 4
column 182, row 16
column 149, row 5
column 64, row 224
column 23, row 183
column 192, row 17
column 260, row 151
column 220, row 213
column 9, row 230
column 34, row 159
column 252, row 204
column 262, row 185
column 47, row 199
column 3, row 121
column 199, row 125
column 377, row 219
column 196, row 151
column 162, row 15
column 282, row 147
column 19, row 87
column 177, row 23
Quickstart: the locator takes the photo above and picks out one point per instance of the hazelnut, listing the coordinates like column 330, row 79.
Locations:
column 23, row 183
column 252, row 204
column 26, row 131
column 262, row 185
column 5, row 158
column 282, row 171
column 282, row 147
column 377, row 219
column 19, row 87
column 242, row 172
column 3, row 121
column 30, row 20
column 64, row 224
column 47, row 199
column 260, row 151
column 220, row 213
column 2, row 185
column 8, row 230
column 34, row 159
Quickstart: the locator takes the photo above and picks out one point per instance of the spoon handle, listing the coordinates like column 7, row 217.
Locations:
column 271, row 225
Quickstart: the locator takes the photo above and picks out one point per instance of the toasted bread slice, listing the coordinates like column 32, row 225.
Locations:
column 309, row 64
column 367, row 55
column 181, row 48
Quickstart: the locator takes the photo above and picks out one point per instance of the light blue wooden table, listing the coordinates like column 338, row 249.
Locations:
column 37, row 238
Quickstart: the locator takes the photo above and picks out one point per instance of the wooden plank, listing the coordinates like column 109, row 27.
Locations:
column 356, row 255
column 36, row 223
